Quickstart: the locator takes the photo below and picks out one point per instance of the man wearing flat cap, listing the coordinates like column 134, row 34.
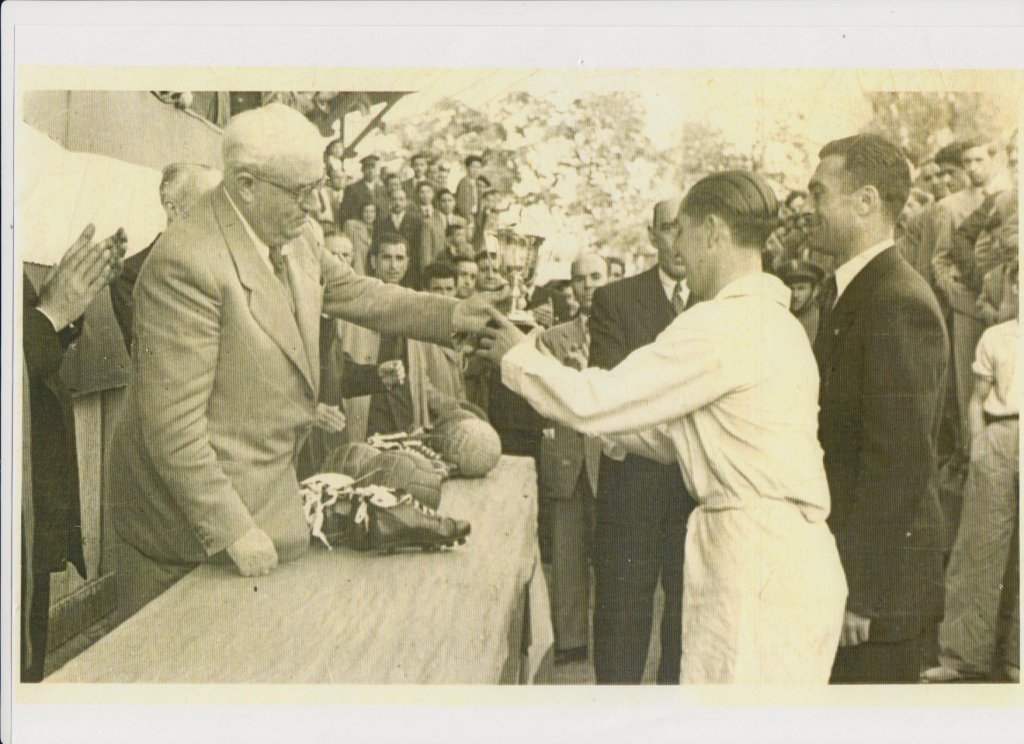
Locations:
column 803, row 279
column 226, row 372
column 364, row 191
column 729, row 392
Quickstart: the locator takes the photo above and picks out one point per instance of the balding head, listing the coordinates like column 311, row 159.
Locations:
column 588, row 272
column 662, row 233
column 273, row 161
column 183, row 183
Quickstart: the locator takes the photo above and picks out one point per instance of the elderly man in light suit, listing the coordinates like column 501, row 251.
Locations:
column 568, row 478
column 225, row 379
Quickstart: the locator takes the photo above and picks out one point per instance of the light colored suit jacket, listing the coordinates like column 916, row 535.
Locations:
column 563, row 456
column 225, row 380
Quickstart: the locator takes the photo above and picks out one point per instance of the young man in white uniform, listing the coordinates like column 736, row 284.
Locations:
column 730, row 391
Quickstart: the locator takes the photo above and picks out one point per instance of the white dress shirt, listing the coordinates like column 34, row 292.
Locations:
column 846, row 273
column 261, row 247
column 729, row 390
column 669, row 285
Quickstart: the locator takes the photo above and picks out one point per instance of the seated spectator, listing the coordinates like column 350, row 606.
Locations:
column 466, row 274
column 803, row 279
column 359, row 230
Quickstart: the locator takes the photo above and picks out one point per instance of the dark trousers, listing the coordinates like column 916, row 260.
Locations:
column 640, row 525
column 877, row 663
column 38, row 626
column 896, row 661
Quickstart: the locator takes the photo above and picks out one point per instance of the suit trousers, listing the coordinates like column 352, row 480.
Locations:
column 639, row 537
column 572, row 531
column 141, row 579
column 39, row 622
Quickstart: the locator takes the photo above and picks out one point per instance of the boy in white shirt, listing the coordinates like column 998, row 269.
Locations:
column 975, row 577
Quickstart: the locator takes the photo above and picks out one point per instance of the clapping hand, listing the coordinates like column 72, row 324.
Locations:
column 254, row 553
column 498, row 337
column 86, row 268
column 329, row 418
column 391, row 373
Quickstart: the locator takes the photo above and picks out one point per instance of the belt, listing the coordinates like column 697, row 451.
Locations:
column 990, row 419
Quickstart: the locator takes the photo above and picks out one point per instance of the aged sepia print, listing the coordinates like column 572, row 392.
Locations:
column 531, row 376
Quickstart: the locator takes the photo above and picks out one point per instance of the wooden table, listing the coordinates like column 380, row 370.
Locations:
column 461, row 616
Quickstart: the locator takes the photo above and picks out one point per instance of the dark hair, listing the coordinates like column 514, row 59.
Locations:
column 743, row 200
column 439, row 270
column 875, row 161
column 473, row 159
column 615, row 260
column 480, row 255
column 442, row 192
column 391, row 238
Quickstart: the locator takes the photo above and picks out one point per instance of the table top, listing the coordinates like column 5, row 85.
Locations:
column 345, row 617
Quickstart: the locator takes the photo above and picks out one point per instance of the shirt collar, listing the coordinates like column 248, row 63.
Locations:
column 261, row 247
column 759, row 283
column 669, row 285
column 846, row 273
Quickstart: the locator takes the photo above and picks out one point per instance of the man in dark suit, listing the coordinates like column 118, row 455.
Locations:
column 642, row 506
column 181, row 184
column 52, row 520
column 362, row 192
column 419, row 163
column 882, row 353
column 401, row 220
column 467, row 194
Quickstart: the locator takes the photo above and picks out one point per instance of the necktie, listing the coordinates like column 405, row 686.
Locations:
column 281, row 272
column 678, row 303
column 829, row 293
column 827, row 298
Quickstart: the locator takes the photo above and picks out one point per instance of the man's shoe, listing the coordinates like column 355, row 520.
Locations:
column 948, row 675
column 386, row 522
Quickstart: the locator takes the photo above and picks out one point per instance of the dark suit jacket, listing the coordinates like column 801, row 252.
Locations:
column 356, row 196
column 882, row 354
column 467, row 201
column 121, row 292
column 411, row 228
column 57, row 535
column 626, row 315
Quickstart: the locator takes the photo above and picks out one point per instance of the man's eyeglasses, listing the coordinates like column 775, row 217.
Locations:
column 299, row 193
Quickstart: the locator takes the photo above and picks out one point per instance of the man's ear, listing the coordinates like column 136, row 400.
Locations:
column 868, row 200
column 244, row 186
